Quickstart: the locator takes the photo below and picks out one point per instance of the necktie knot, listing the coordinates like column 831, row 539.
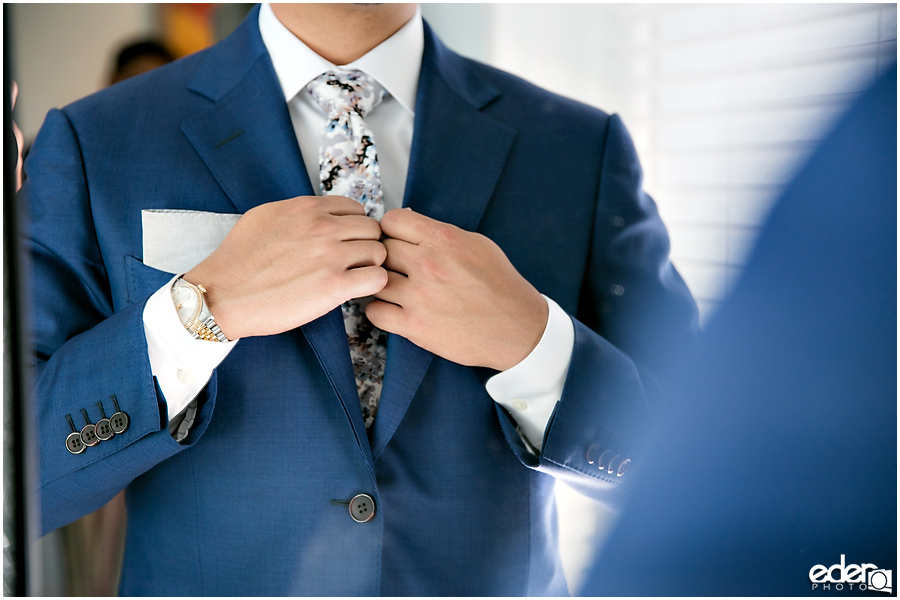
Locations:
column 344, row 91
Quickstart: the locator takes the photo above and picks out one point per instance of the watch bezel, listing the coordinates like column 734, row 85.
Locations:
column 191, row 324
column 202, row 320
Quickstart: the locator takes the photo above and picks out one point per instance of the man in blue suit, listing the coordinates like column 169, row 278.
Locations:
column 245, row 449
column 775, row 472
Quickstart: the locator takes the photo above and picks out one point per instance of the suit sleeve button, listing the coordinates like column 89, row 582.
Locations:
column 591, row 455
column 602, row 461
column 614, row 464
column 362, row 508
column 74, row 443
column 88, row 436
column 623, row 467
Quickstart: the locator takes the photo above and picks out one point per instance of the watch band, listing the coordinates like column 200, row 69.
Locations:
column 209, row 331
column 181, row 425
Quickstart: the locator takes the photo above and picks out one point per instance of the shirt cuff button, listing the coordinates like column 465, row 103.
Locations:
column 186, row 376
column 519, row 404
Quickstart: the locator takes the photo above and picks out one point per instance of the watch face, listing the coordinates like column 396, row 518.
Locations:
column 187, row 304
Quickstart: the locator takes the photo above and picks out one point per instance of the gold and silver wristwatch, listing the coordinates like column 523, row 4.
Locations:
column 190, row 303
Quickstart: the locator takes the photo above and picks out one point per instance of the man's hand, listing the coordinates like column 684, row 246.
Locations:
column 287, row 263
column 455, row 294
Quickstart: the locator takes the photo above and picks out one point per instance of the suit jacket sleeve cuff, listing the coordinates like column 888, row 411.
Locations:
column 181, row 364
column 603, row 412
column 80, row 374
column 531, row 389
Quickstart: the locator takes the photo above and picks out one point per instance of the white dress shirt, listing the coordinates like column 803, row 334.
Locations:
column 184, row 365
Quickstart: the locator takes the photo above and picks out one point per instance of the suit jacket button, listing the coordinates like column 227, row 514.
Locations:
column 614, row 464
column 88, row 433
column 602, row 461
column 102, row 430
column 591, row 455
column 74, row 443
column 362, row 508
column 118, row 422
column 88, row 436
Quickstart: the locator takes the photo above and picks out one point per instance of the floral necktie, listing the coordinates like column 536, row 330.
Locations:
column 348, row 166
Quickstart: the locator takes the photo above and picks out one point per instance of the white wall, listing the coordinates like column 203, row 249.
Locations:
column 464, row 27
column 62, row 52
column 723, row 101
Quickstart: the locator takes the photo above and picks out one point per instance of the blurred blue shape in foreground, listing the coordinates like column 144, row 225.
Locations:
column 779, row 452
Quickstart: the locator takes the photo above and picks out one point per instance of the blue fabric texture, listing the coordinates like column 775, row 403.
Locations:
column 779, row 452
column 245, row 507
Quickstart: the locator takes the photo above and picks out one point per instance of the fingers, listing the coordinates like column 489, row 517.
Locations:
column 354, row 224
column 340, row 205
column 400, row 255
column 362, row 282
column 358, row 227
column 409, row 226
column 387, row 317
column 362, row 253
column 396, row 290
column 305, row 205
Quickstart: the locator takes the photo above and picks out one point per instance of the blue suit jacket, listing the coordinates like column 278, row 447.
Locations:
column 244, row 507
column 782, row 452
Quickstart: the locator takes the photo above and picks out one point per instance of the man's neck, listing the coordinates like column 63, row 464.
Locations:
column 341, row 33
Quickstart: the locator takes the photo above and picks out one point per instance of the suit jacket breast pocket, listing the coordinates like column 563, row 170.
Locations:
column 141, row 280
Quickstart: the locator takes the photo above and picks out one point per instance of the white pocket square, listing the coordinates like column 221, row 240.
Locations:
column 176, row 241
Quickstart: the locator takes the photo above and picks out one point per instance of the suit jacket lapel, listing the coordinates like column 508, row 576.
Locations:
column 458, row 153
column 247, row 141
column 246, row 137
column 328, row 339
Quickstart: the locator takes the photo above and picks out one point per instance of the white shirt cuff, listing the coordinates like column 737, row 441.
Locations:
column 531, row 389
column 181, row 364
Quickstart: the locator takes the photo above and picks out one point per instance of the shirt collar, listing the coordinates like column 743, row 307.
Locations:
column 394, row 63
